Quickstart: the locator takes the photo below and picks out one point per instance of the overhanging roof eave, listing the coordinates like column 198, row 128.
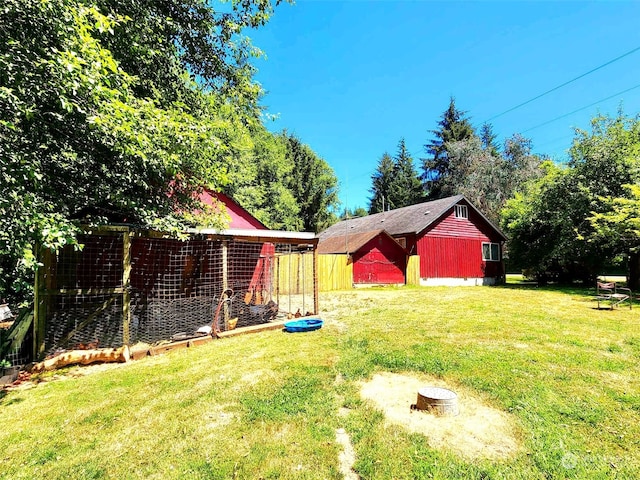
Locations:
column 281, row 236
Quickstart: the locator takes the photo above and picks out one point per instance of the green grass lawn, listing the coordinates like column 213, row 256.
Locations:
column 268, row 405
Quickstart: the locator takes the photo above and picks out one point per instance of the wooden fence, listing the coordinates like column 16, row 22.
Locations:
column 335, row 272
column 413, row 270
column 293, row 273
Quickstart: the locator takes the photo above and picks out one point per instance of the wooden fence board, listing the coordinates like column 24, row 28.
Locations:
column 413, row 270
column 335, row 272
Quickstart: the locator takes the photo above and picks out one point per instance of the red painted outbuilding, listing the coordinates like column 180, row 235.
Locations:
column 376, row 257
column 240, row 218
column 456, row 243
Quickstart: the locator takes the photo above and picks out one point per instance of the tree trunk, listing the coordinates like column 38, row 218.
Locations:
column 84, row 357
column 633, row 278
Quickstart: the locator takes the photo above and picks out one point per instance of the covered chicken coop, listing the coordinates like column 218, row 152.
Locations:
column 127, row 286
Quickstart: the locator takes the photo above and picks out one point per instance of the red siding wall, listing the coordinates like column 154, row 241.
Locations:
column 379, row 261
column 453, row 249
column 472, row 227
column 442, row 257
column 240, row 218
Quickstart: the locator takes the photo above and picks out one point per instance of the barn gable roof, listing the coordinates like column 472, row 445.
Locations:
column 413, row 219
column 351, row 243
column 240, row 218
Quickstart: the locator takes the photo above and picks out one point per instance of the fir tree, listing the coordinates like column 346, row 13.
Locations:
column 453, row 127
column 312, row 183
column 381, row 184
column 488, row 139
column 406, row 188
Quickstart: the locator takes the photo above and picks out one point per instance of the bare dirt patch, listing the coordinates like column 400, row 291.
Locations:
column 479, row 431
column 347, row 456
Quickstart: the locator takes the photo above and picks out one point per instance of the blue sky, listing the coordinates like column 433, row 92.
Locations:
column 351, row 78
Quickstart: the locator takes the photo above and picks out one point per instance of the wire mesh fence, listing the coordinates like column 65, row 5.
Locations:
column 124, row 287
column 16, row 339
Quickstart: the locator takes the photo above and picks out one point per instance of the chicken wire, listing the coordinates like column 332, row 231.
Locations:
column 119, row 290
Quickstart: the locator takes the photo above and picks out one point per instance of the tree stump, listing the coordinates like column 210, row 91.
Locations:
column 438, row 401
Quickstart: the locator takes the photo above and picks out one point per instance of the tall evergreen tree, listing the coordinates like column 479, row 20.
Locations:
column 381, row 181
column 488, row 139
column 453, row 127
column 313, row 184
column 406, row 188
column 396, row 182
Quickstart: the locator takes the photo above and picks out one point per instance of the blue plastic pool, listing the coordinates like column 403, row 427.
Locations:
column 303, row 325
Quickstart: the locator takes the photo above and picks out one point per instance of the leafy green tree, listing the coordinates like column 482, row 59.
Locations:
column 165, row 40
column 313, row 184
column 101, row 119
column 382, row 181
column 607, row 161
column 618, row 228
column 258, row 181
column 562, row 221
column 452, row 127
column 478, row 175
column 540, row 227
column 355, row 213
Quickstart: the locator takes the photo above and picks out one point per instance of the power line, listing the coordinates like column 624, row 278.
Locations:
column 557, row 140
column 580, row 109
column 564, row 84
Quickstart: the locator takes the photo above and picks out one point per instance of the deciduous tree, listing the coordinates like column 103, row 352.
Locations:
column 618, row 228
column 568, row 220
column 259, row 181
column 101, row 118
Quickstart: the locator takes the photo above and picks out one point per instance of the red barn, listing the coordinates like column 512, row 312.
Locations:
column 240, row 218
column 456, row 243
column 130, row 285
column 377, row 258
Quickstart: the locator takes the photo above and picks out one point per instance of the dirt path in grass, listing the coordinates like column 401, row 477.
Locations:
column 347, row 456
column 479, row 431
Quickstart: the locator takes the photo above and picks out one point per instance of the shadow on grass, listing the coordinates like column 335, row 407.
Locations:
column 577, row 289
column 5, row 402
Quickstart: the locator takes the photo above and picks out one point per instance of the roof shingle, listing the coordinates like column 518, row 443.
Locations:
column 350, row 243
column 401, row 221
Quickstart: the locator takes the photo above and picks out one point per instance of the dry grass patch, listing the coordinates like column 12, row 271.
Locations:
column 479, row 431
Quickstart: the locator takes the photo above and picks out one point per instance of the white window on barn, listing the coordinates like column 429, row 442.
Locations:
column 461, row 211
column 491, row 252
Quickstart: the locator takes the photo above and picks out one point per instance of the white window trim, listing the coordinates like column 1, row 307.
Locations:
column 461, row 211
column 491, row 250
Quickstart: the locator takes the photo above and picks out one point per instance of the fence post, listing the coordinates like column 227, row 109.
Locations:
column 126, row 287
column 316, row 287
column 41, row 300
column 225, row 282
